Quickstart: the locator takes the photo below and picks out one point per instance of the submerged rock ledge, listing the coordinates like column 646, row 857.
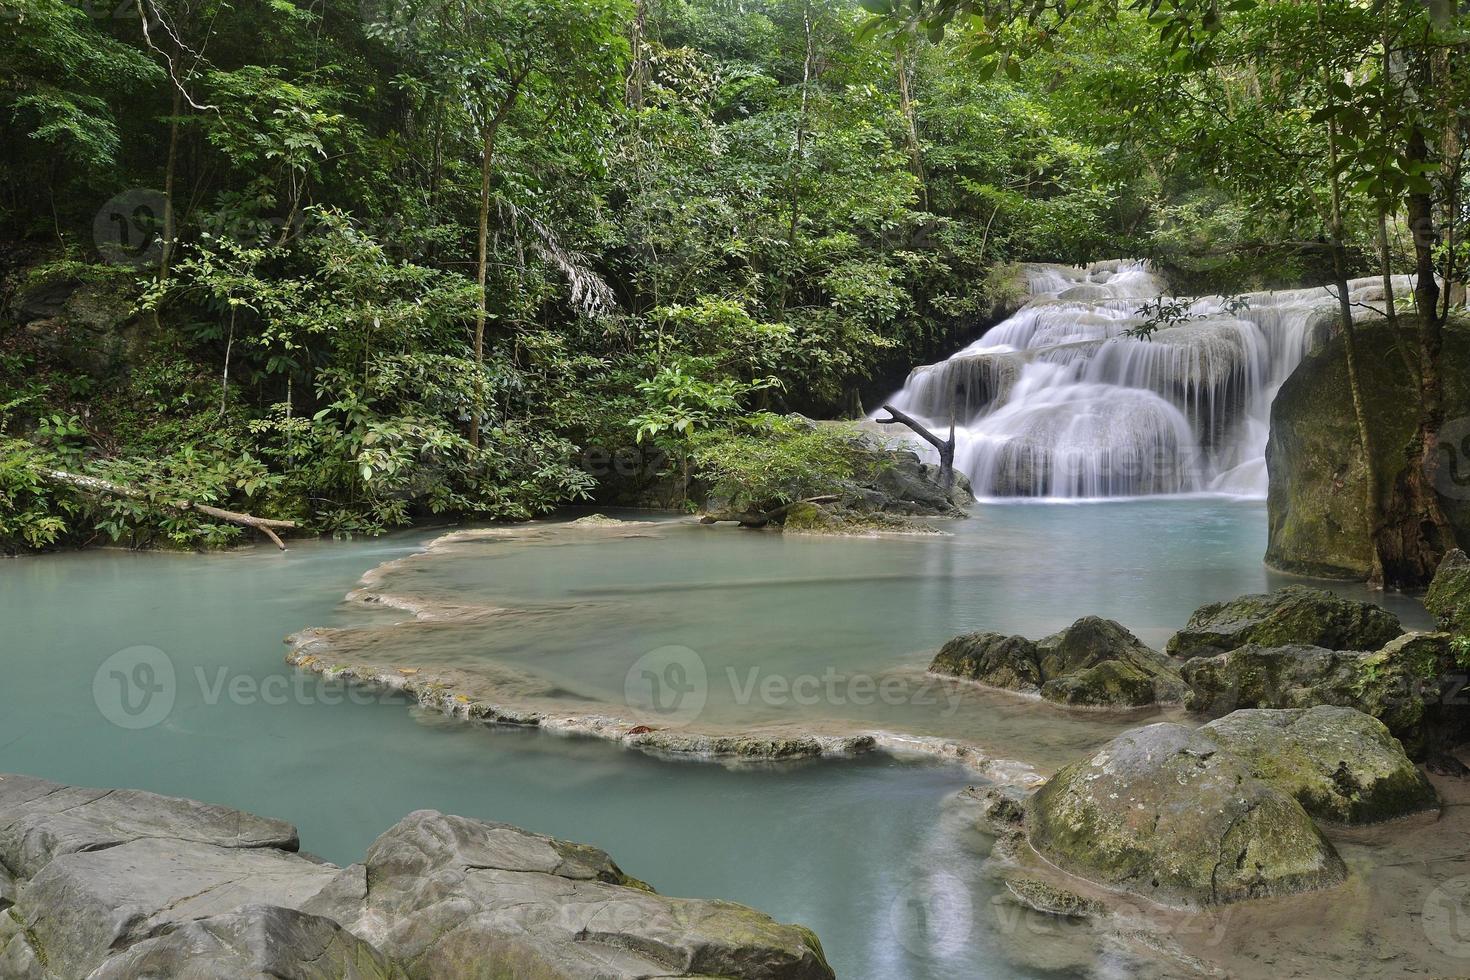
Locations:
column 128, row 885
column 476, row 699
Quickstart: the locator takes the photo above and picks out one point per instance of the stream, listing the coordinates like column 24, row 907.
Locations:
column 870, row 852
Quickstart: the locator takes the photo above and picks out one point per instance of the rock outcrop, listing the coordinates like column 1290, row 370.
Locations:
column 124, row 885
column 1166, row 813
column 84, row 326
column 1092, row 663
column 1316, row 501
column 1293, row 615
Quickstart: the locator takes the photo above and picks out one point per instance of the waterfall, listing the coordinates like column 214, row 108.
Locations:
column 1059, row 401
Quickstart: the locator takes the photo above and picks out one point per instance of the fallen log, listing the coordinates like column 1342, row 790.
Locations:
column 97, row 485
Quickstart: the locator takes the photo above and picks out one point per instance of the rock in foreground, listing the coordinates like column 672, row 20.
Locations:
column 1093, row 663
column 1339, row 764
column 1166, row 813
column 126, row 886
column 1293, row 615
column 452, row 897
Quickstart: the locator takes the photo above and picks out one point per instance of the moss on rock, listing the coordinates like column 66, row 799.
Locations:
column 1293, row 615
column 1166, row 813
column 1316, row 505
column 1339, row 764
column 1092, row 663
column 1392, row 684
column 1449, row 593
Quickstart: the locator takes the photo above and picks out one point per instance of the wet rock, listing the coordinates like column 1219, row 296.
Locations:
column 1009, row 662
column 1098, row 662
column 1094, row 662
column 1293, row 615
column 1394, row 684
column 257, row 941
column 1449, row 593
column 1340, row 765
column 1048, row 899
column 1166, row 813
column 453, row 897
column 41, row 820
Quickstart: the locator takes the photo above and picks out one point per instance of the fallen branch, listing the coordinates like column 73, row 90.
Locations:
column 97, row 485
column 945, row 446
column 761, row 520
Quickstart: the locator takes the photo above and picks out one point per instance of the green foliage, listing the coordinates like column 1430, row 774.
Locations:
column 32, row 515
column 768, row 460
column 695, row 214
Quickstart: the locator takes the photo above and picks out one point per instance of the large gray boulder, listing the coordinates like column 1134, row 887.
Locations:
column 1094, row 662
column 125, row 885
column 41, row 820
column 452, row 897
column 1395, row 684
column 83, row 907
column 259, row 942
column 1341, row 765
column 1293, row 615
column 1164, row 812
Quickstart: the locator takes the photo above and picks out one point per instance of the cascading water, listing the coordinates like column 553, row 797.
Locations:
column 1060, row 401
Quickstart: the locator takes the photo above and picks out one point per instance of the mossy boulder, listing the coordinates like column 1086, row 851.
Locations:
column 1164, row 812
column 1340, row 765
column 1092, row 663
column 1449, row 593
column 1394, row 684
column 1317, row 486
column 994, row 659
column 1293, row 615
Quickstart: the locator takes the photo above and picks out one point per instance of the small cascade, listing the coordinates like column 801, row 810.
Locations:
column 1060, row 401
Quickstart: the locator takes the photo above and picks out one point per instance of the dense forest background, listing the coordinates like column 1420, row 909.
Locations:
column 351, row 262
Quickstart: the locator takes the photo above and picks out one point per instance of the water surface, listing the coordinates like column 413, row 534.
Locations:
column 855, row 849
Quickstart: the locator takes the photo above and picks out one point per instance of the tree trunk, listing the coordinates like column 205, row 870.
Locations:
column 97, row 485
column 945, row 446
column 1373, row 497
column 1417, row 533
column 170, row 168
column 911, row 125
column 482, row 265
